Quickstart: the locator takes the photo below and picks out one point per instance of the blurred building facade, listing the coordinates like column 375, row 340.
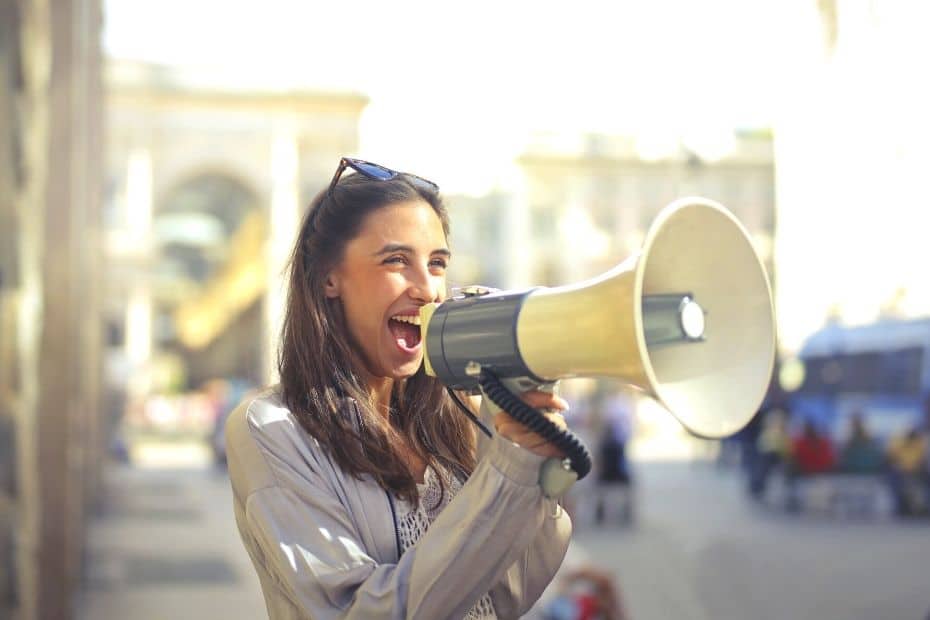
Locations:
column 205, row 185
column 145, row 256
column 50, row 291
column 852, row 138
column 587, row 201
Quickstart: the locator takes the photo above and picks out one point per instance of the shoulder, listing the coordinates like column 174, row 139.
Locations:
column 262, row 418
column 266, row 446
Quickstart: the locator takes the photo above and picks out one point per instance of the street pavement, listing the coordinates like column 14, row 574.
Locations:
column 699, row 549
column 166, row 547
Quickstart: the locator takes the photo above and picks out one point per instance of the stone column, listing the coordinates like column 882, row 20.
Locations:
column 58, row 325
column 283, row 224
column 139, row 315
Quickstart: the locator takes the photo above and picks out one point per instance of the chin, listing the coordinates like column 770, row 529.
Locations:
column 406, row 371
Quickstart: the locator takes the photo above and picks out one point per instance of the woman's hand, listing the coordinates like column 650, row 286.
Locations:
column 550, row 406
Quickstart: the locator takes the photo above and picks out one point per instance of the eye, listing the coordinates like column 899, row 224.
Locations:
column 398, row 259
column 439, row 262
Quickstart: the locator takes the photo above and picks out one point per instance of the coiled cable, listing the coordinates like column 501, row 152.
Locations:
column 577, row 453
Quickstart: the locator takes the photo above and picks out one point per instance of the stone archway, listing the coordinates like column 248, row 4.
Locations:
column 195, row 221
column 206, row 229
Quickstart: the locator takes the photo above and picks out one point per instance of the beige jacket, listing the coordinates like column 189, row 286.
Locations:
column 324, row 544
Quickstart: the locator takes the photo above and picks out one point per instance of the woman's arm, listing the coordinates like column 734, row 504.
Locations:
column 529, row 576
column 297, row 529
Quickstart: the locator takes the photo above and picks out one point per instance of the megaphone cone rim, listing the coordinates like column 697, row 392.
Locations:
column 653, row 233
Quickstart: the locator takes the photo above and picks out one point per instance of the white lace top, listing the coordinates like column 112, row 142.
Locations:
column 413, row 521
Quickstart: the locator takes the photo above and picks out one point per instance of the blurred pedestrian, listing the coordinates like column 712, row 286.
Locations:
column 224, row 395
column 925, row 431
column 748, row 438
column 586, row 593
column 811, row 453
column 360, row 490
column 861, row 453
column 583, row 420
column 614, row 478
column 907, row 462
column 773, row 449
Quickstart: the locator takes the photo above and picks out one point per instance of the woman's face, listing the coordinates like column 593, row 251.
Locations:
column 396, row 264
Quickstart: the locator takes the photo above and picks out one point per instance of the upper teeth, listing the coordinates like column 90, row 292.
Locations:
column 413, row 319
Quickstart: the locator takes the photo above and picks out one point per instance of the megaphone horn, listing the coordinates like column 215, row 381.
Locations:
column 689, row 320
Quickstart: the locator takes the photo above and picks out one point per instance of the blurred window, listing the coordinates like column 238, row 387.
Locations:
column 884, row 372
column 115, row 336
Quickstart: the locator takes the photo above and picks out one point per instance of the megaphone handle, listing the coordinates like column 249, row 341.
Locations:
column 519, row 385
column 495, row 391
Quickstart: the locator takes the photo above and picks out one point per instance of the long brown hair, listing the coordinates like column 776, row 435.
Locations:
column 319, row 367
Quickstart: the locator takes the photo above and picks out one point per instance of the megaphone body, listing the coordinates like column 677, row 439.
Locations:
column 689, row 320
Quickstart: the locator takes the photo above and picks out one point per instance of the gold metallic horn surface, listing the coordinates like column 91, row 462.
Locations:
column 596, row 328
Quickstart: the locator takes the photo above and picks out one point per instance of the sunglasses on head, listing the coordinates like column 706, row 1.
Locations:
column 378, row 173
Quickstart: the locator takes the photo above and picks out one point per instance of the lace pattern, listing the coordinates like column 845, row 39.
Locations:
column 413, row 521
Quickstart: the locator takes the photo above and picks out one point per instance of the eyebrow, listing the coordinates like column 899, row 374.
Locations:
column 399, row 247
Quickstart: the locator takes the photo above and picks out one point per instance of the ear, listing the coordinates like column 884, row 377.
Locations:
column 331, row 287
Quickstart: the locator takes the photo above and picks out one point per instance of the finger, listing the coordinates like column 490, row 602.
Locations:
column 522, row 436
column 544, row 400
column 529, row 441
column 556, row 418
column 519, row 435
column 548, row 450
column 510, row 427
column 553, row 417
column 502, row 417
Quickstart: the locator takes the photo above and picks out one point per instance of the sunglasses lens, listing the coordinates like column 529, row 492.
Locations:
column 380, row 173
column 373, row 171
column 421, row 182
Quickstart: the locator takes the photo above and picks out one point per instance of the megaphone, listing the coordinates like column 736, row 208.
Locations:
column 688, row 320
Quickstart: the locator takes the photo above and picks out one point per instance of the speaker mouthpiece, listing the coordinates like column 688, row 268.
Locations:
column 691, row 315
column 475, row 330
column 672, row 318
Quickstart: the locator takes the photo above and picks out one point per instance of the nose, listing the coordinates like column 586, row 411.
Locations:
column 425, row 287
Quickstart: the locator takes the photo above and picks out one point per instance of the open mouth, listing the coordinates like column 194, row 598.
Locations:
column 405, row 330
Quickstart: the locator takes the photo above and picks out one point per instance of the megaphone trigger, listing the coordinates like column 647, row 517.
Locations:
column 556, row 476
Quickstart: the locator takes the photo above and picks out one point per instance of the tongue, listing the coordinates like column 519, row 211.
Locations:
column 405, row 334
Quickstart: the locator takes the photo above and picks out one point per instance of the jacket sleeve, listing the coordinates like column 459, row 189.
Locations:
column 525, row 581
column 308, row 544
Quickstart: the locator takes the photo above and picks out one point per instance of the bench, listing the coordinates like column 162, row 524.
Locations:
column 839, row 494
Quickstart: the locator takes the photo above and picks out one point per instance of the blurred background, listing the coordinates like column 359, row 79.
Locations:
column 156, row 158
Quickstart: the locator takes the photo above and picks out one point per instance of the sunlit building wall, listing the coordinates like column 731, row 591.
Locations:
column 851, row 152
column 206, row 183
column 585, row 205
column 588, row 200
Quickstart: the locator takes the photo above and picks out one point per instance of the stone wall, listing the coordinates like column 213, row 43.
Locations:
column 50, row 140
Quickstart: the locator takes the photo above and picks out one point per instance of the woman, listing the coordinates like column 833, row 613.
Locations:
column 360, row 491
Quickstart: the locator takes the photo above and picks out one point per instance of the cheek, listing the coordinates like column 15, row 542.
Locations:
column 362, row 315
column 366, row 307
